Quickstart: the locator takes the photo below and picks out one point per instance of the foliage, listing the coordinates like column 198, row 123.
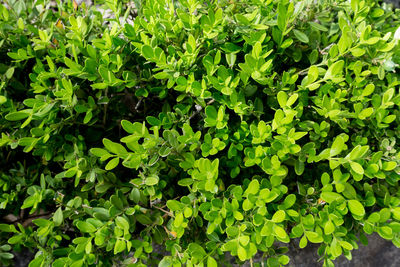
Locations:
column 207, row 127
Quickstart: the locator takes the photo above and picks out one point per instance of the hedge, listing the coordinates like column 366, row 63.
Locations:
column 176, row 133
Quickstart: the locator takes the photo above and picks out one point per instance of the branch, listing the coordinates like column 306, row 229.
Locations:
column 200, row 109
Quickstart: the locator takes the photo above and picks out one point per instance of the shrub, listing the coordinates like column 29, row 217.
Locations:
column 209, row 128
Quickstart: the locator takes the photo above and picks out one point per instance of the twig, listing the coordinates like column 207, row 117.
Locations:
column 165, row 211
column 201, row 108
column 30, row 217
column 138, row 104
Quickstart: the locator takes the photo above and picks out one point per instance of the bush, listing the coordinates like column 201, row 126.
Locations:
column 209, row 128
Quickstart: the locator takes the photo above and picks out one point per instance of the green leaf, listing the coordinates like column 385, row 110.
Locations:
column 58, row 217
column 282, row 98
column 6, row 255
column 29, row 202
column 135, row 195
column 346, row 245
column 185, row 182
column 152, row 180
column 99, row 85
column 165, row 262
column 329, row 197
column 117, row 202
column 280, row 232
column 292, row 99
column 282, row 18
column 356, row 207
column 99, row 152
column 143, row 219
column 381, row 72
column 85, row 227
column 147, row 52
column 242, row 19
column 114, row 147
column 232, row 231
column 247, row 205
column 244, row 240
column 325, row 178
column 284, row 259
column 313, row 74
column 289, row 201
column 356, row 167
column 313, row 237
column 178, row 220
column 385, row 232
column 173, row 205
column 122, row 223
column 329, row 228
column 128, row 126
column 212, row 115
column 17, row 116
column 230, row 59
column 242, row 253
column 334, row 70
column 211, row 262
column 7, row 228
column 10, row 73
column 357, row 52
column 389, row 165
column 20, row 7
column 303, row 242
column 3, row 99
column 153, row 121
column 253, row 188
column 337, row 146
column 299, row 167
column 318, row 26
column 120, row 246
column 112, row 164
column 301, row 36
column 354, row 5
column 365, row 113
column 279, row 216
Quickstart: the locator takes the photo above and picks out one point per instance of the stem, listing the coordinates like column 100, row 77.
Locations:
column 138, row 104
column 304, row 72
column 201, row 108
column 31, row 217
column 105, row 110
column 165, row 211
